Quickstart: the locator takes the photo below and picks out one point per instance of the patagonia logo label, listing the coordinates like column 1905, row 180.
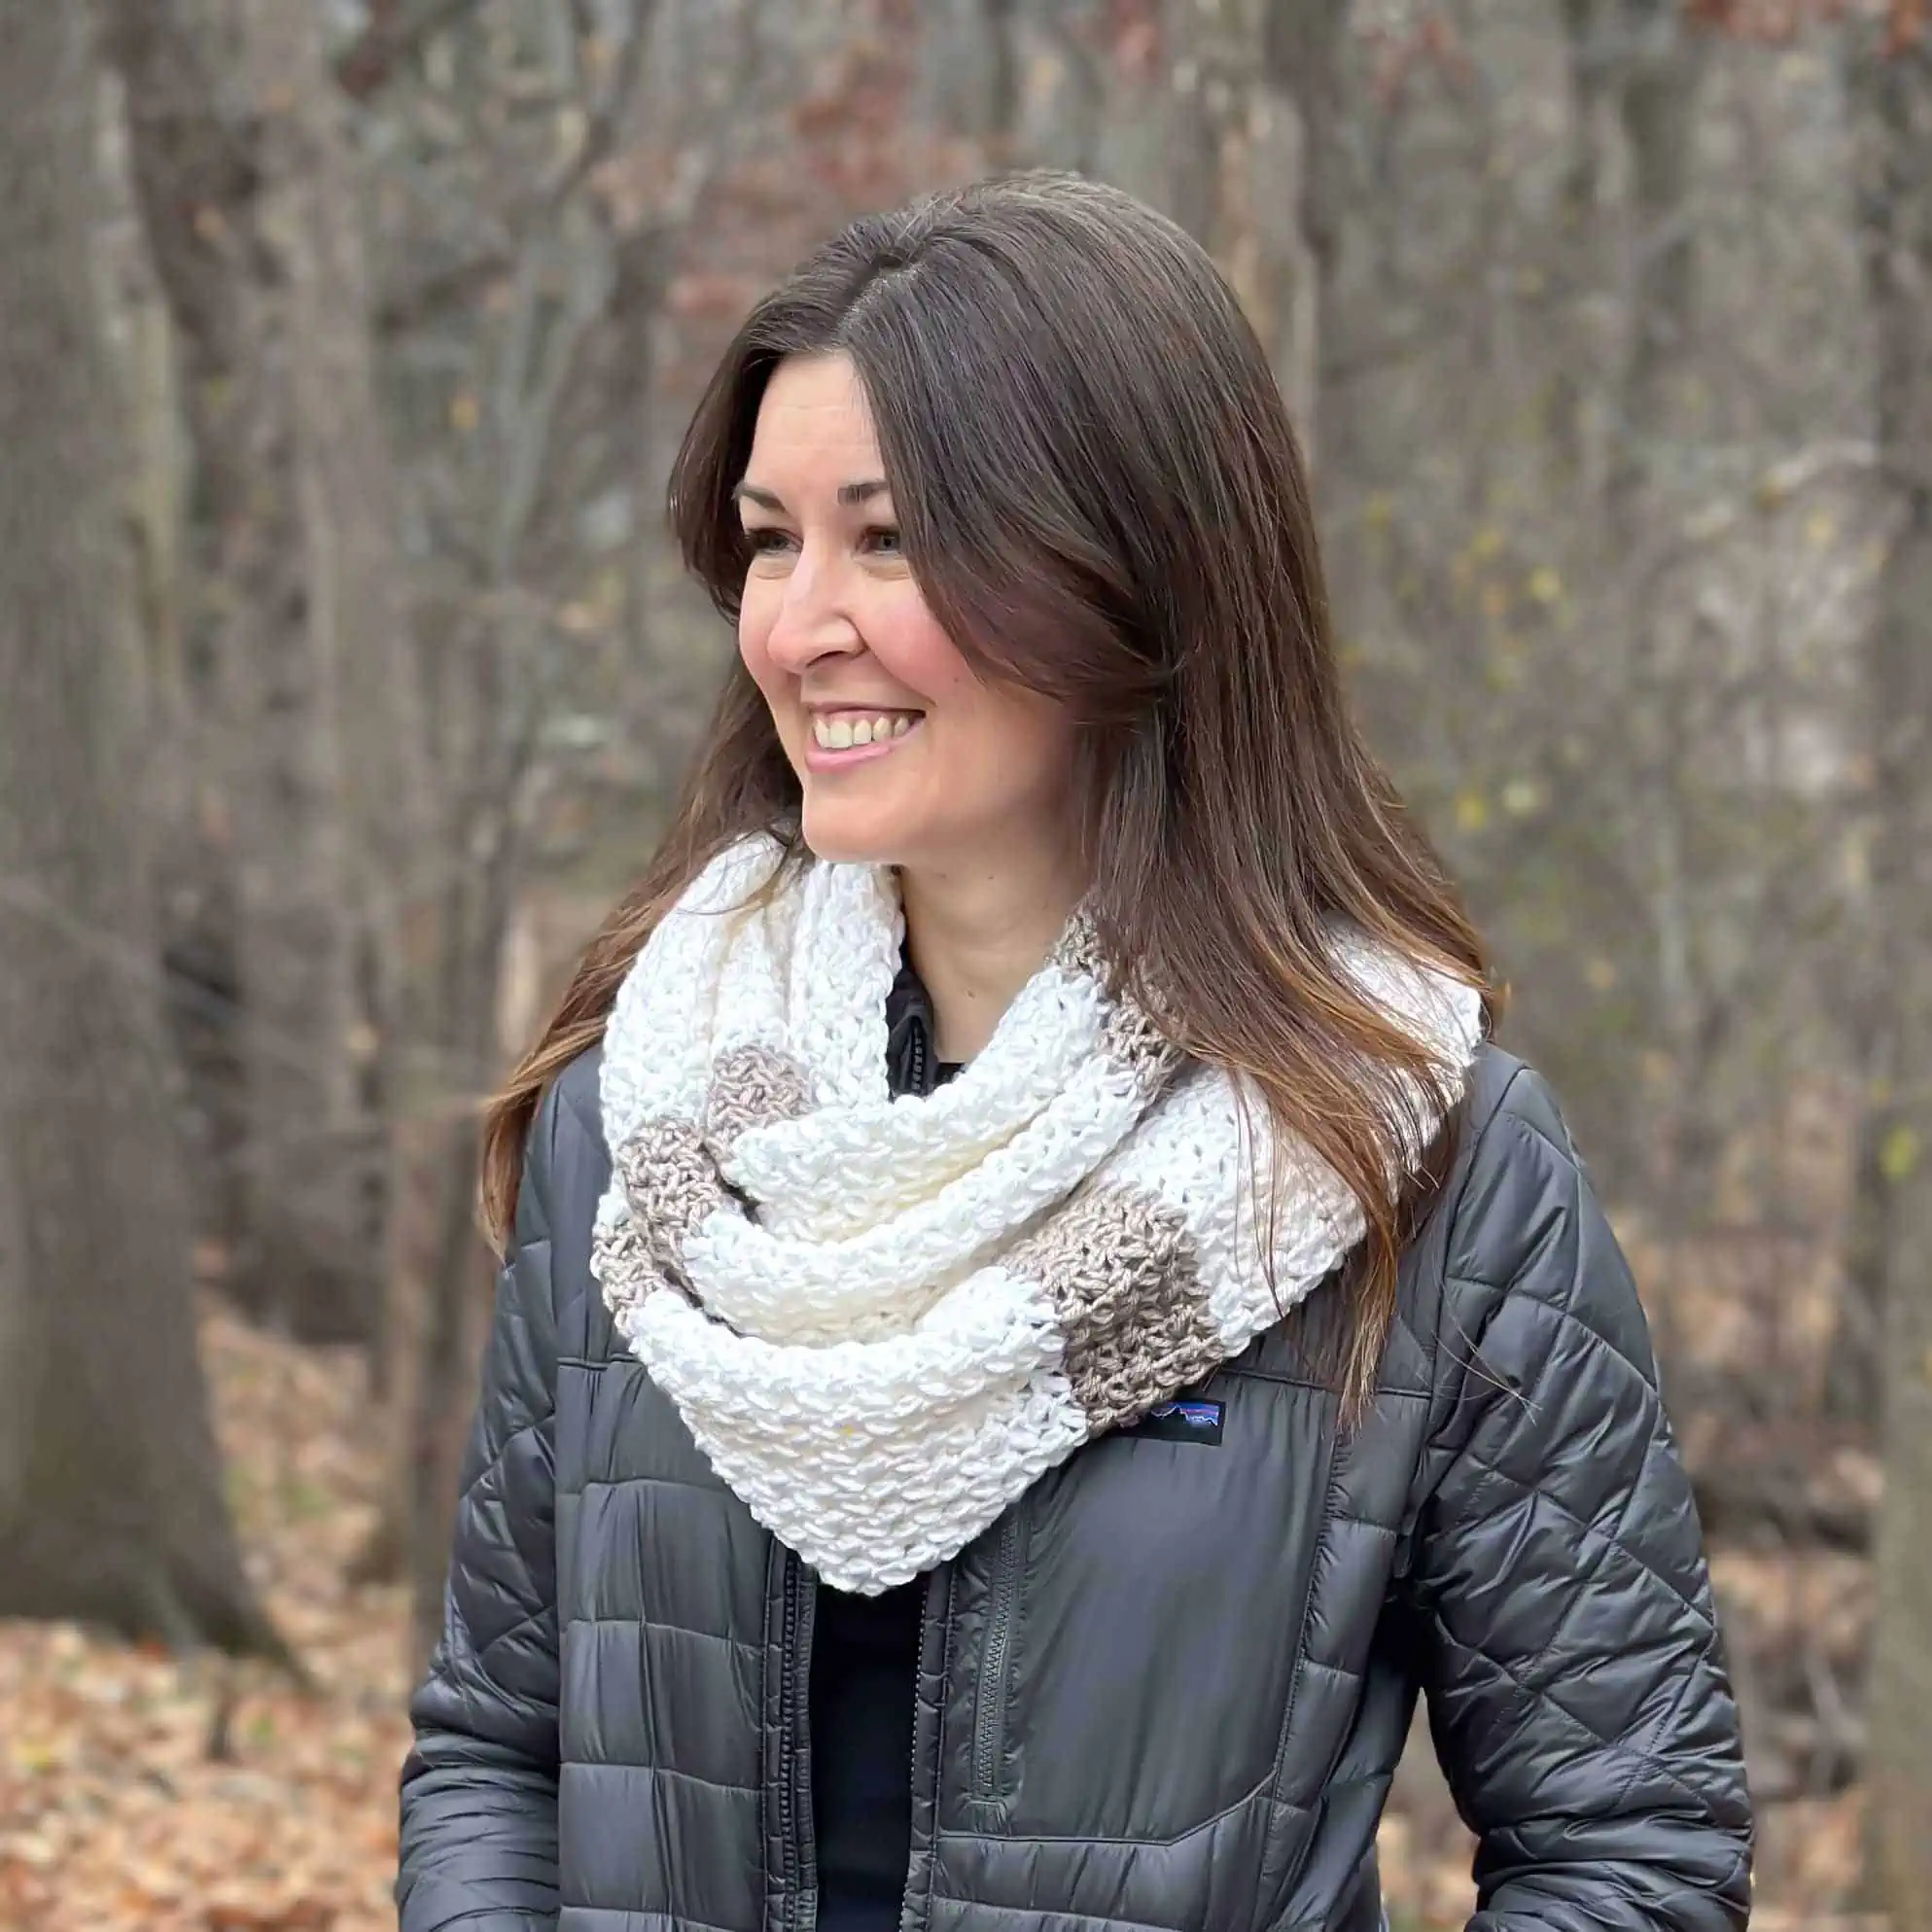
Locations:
column 1189, row 1420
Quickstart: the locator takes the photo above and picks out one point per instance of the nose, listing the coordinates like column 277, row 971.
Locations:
column 813, row 621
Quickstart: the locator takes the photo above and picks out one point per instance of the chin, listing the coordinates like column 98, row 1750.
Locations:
column 852, row 838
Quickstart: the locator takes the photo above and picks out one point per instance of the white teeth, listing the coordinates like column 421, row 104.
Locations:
column 841, row 734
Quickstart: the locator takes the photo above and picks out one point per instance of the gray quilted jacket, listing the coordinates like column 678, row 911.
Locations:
column 1169, row 1687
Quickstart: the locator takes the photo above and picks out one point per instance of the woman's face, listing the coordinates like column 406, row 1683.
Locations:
column 905, row 754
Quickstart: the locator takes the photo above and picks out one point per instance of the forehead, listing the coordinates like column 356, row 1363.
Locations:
column 813, row 416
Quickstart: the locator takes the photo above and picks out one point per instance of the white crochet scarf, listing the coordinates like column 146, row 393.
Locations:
column 881, row 1318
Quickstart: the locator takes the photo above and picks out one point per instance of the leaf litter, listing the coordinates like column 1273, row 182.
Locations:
column 141, row 1792
column 113, row 1812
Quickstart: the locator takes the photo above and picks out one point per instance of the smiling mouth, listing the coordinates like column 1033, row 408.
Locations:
column 846, row 730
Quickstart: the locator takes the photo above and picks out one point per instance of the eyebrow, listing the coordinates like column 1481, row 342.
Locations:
column 848, row 494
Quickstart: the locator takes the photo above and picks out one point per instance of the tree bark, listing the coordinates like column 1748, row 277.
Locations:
column 1662, row 68
column 1303, row 46
column 1211, row 69
column 367, row 721
column 1236, row 168
column 453, row 1297
column 559, row 431
column 1892, row 109
column 970, row 70
column 250, row 209
column 109, row 1492
column 1062, row 83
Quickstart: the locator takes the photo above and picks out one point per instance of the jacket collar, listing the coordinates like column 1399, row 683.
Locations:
column 910, row 1063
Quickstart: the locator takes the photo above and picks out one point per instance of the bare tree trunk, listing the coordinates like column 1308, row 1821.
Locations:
column 970, row 70
column 310, row 1147
column 1660, row 65
column 1303, row 45
column 1893, row 105
column 368, row 719
column 186, row 176
column 454, row 1288
column 1235, row 168
column 1062, row 86
column 1852, row 1389
column 251, row 214
column 569, row 389
column 1210, row 66
column 110, row 1492
column 196, row 153
column 1662, row 69
column 1892, row 194
column 1592, row 45
column 565, row 371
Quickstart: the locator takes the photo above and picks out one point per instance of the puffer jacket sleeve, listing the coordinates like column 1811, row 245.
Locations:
column 479, row 1789
column 1571, row 1663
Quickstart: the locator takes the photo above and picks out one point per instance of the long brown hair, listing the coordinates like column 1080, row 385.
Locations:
column 1101, row 497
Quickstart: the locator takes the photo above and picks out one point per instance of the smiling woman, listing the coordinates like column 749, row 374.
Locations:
column 1036, row 1320
column 906, row 755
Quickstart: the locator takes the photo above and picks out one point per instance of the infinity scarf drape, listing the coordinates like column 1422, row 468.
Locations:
column 883, row 1319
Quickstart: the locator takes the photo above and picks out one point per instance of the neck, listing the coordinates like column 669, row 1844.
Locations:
column 975, row 936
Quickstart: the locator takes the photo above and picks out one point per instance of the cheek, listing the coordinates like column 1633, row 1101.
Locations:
column 912, row 645
column 1017, row 746
column 995, row 737
column 1050, row 738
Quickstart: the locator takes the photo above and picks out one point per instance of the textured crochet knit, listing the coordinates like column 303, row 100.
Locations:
column 883, row 1319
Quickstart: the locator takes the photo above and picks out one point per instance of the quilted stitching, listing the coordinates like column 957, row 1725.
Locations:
column 480, row 1788
column 1692, row 1605
column 1571, row 1663
column 1547, row 1547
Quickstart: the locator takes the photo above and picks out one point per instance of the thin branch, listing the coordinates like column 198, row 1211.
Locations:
column 392, row 34
column 435, row 294
column 448, row 288
column 607, row 119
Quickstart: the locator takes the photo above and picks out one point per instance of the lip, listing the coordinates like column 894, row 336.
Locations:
column 820, row 758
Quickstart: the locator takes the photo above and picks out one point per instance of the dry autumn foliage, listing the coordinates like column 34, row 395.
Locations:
column 144, row 1793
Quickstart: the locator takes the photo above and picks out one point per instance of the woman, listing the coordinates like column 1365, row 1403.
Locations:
column 1035, row 1322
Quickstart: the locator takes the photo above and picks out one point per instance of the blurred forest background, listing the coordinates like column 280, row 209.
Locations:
column 344, row 677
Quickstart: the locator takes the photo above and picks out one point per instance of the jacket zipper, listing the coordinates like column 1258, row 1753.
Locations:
column 917, row 1082
column 989, row 1721
column 916, row 1072
column 929, row 1620
column 795, row 1814
column 1330, row 1496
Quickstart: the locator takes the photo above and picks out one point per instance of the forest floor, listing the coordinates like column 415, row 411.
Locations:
column 115, row 1813
column 141, row 1794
